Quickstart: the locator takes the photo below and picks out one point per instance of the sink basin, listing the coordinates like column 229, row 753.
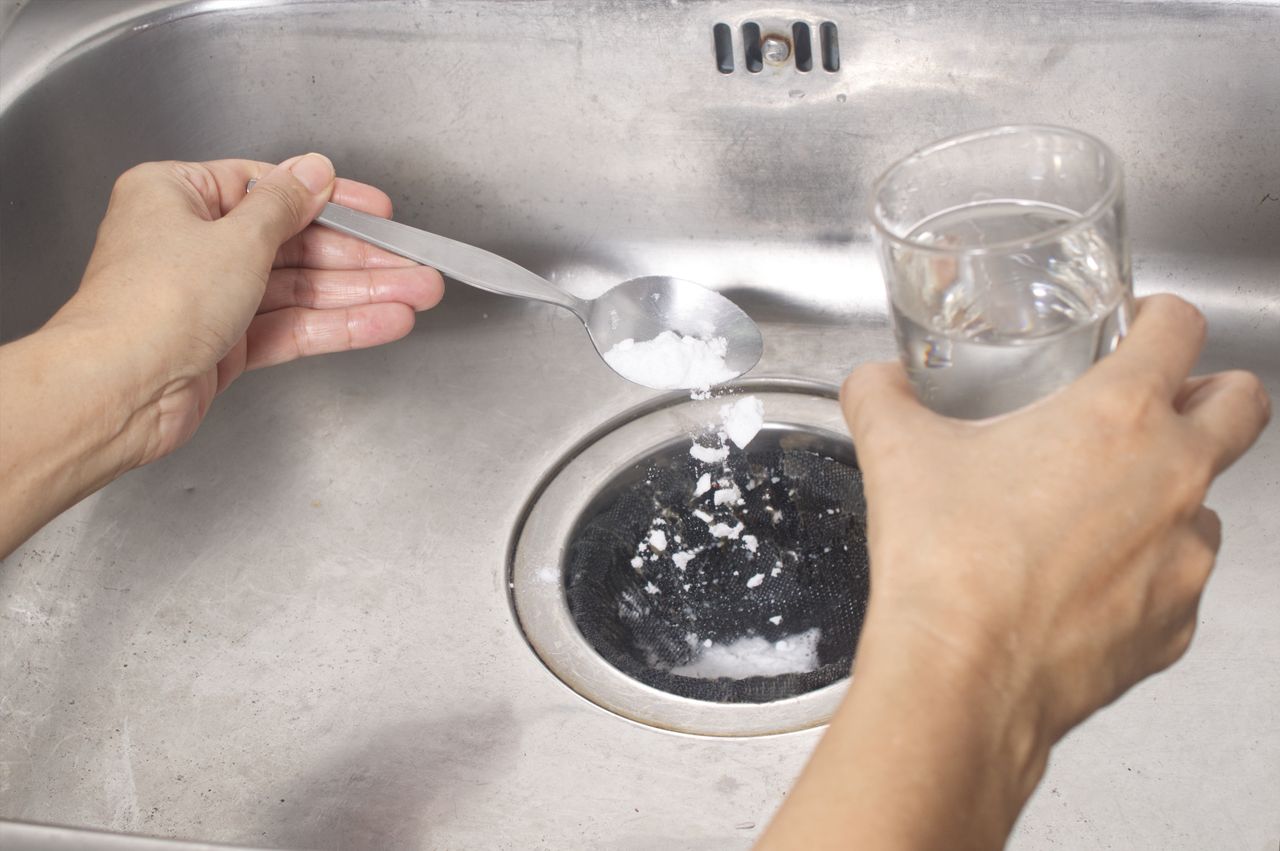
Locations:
column 297, row 632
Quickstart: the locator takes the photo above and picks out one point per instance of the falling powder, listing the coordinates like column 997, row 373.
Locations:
column 671, row 361
column 743, row 420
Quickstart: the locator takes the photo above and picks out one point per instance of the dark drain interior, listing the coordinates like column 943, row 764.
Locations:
column 751, row 596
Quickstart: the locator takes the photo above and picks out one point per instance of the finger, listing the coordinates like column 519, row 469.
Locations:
column 226, row 185
column 878, row 394
column 1161, row 347
column 318, row 247
column 295, row 332
column 285, row 200
column 315, row 247
column 1229, row 410
column 420, row 287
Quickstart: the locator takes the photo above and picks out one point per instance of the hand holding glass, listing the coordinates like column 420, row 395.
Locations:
column 1007, row 266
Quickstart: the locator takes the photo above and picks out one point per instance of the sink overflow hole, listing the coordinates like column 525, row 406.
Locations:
column 804, row 46
column 830, row 46
column 724, row 48
column 753, row 53
column 757, row 48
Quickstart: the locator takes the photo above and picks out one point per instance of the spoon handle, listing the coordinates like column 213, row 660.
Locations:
column 466, row 263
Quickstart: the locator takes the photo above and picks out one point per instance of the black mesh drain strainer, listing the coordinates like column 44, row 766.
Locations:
column 659, row 575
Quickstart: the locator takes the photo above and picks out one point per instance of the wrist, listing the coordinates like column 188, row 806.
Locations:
column 103, row 377
column 930, row 749
column 965, row 683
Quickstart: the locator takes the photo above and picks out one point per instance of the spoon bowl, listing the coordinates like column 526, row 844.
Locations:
column 643, row 308
column 638, row 310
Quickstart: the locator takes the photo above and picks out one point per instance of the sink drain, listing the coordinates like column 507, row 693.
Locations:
column 721, row 597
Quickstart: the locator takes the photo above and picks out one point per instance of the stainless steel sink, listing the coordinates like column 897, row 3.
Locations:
column 296, row 632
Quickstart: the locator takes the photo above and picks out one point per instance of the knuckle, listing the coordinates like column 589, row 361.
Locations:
column 1128, row 404
column 301, row 329
column 1194, row 571
column 283, row 198
column 1180, row 642
column 303, row 289
column 140, row 175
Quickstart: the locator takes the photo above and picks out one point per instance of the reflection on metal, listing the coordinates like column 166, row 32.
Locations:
column 311, row 597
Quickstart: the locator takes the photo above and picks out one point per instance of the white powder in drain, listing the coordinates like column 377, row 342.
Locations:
column 682, row 559
column 671, row 361
column 704, row 485
column 755, row 581
column 743, row 420
column 724, row 530
column 751, row 542
column 753, row 656
column 730, row 495
column 658, row 540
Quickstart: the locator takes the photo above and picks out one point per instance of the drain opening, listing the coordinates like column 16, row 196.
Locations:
column 742, row 581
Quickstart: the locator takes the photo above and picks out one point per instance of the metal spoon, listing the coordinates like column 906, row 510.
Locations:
column 639, row 309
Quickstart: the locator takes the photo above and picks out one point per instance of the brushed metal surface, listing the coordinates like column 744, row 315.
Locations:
column 295, row 632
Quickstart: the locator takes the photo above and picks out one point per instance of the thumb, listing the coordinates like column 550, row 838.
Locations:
column 878, row 395
column 285, row 201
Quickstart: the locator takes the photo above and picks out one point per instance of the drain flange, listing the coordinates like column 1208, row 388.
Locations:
column 630, row 630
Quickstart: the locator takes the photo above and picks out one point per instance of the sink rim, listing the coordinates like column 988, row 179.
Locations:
column 540, row 606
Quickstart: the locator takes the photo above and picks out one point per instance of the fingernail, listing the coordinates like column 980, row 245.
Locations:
column 313, row 171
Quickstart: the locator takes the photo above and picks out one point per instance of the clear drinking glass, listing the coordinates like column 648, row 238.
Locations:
column 1007, row 264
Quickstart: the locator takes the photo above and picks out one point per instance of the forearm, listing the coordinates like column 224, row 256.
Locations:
column 924, row 753
column 69, row 405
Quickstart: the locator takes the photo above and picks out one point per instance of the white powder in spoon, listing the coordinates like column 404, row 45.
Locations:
column 671, row 361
